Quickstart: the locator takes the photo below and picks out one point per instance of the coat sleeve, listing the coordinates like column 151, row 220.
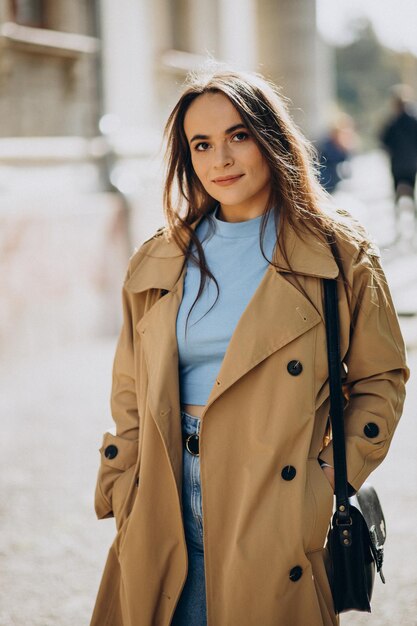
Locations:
column 119, row 451
column 376, row 373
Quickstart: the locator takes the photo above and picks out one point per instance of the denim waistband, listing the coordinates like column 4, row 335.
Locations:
column 190, row 423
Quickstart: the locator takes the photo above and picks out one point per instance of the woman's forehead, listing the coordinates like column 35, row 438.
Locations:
column 210, row 114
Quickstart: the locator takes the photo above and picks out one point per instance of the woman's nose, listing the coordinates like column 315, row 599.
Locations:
column 223, row 156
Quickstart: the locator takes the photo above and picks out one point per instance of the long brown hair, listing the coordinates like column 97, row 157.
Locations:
column 296, row 195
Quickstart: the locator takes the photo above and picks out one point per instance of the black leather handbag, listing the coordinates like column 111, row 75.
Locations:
column 357, row 534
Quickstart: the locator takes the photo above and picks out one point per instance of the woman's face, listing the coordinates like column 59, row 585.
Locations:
column 226, row 158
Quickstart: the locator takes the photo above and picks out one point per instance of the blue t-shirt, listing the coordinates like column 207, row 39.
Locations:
column 233, row 255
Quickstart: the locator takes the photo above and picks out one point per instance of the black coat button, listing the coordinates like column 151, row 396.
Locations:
column 371, row 430
column 294, row 368
column 110, row 452
column 296, row 573
column 289, row 472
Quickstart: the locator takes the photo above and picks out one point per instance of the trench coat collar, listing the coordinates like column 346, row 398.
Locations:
column 162, row 264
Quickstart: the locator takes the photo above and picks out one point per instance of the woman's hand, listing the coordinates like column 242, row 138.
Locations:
column 329, row 472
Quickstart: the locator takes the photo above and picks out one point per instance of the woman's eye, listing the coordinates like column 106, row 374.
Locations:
column 201, row 147
column 240, row 136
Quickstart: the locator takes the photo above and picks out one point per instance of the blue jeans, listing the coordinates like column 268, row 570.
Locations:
column 191, row 607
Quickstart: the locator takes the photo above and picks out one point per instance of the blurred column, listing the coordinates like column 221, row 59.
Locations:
column 293, row 55
column 128, row 62
column 202, row 31
column 237, row 32
column 131, row 108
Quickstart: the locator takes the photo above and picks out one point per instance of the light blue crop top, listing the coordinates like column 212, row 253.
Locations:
column 234, row 257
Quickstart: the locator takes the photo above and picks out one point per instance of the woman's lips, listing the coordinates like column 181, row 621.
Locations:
column 225, row 182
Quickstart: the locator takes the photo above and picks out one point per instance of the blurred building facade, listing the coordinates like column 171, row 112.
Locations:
column 86, row 88
column 48, row 68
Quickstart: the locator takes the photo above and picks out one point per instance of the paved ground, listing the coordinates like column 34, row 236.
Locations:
column 52, row 549
column 54, row 408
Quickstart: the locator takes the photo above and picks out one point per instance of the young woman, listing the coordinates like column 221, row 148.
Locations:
column 220, row 473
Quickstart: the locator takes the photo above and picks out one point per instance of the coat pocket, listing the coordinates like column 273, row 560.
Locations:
column 322, row 497
column 124, row 490
column 116, row 476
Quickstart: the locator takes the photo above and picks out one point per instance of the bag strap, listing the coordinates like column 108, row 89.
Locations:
column 331, row 312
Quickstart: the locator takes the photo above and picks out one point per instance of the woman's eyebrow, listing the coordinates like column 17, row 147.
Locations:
column 226, row 132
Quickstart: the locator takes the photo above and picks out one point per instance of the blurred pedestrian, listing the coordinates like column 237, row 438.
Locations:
column 220, row 474
column 334, row 150
column 399, row 138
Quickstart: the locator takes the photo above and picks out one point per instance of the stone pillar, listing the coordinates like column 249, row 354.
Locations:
column 128, row 61
column 131, row 107
column 237, row 32
column 5, row 11
column 202, row 31
column 292, row 54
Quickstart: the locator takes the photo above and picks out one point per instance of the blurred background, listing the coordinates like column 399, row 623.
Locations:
column 85, row 89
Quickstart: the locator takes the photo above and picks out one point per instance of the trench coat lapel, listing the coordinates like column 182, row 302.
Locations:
column 276, row 314
column 158, row 333
column 162, row 268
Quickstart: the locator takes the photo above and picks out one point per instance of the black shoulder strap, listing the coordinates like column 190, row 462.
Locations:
column 336, row 399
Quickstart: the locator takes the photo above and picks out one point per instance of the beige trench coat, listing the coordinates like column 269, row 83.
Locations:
column 259, row 418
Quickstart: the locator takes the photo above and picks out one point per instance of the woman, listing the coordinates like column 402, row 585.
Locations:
column 220, row 394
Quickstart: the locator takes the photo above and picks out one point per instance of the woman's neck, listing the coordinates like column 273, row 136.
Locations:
column 231, row 214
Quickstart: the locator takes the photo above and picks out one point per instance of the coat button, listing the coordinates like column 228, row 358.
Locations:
column 371, row 430
column 110, row 452
column 296, row 573
column 294, row 368
column 289, row 472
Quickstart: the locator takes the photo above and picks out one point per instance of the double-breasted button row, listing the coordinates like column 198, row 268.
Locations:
column 288, row 473
column 294, row 368
column 111, row 451
column 371, row 430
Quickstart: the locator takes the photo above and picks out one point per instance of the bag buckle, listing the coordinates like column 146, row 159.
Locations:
column 192, row 444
